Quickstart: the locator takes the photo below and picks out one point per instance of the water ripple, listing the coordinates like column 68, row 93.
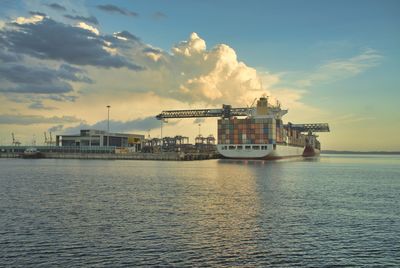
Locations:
column 70, row 213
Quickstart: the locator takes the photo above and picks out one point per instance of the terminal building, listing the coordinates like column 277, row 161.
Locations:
column 100, row 138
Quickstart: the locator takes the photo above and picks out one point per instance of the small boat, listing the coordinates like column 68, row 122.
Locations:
column 32, row 153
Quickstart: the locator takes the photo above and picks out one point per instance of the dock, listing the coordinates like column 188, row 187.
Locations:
column 103, row 153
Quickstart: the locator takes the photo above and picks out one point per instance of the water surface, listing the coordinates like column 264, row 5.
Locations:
column 335, row 210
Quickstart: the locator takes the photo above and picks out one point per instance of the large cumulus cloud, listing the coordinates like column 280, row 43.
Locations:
column 194, row 74
column 222, row 77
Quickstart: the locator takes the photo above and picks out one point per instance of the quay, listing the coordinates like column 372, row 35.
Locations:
column 104, row 153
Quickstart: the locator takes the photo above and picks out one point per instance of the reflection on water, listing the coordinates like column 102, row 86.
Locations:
column 331, row 210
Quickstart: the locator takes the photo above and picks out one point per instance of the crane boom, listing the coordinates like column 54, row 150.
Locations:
column 226, row 112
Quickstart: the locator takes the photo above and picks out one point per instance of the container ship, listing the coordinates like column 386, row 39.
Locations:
column 263, row 135
column 258, row 132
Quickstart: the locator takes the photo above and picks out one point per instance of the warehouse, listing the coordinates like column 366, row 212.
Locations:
column 92, row 137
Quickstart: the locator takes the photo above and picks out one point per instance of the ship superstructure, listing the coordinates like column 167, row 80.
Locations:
column 258, row 132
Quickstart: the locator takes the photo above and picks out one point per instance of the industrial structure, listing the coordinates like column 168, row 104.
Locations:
column 249, row 133
column 259, row 133
column 15, row 142
column 100, row 138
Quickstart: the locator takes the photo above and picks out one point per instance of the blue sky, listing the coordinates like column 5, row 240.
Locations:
column 333, row 61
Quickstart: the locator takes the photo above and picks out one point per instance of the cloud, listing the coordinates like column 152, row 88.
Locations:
column 8, row 119
column 56, row 128
column 211, row 76
column 32, row 20
column 21, row 73
column 141, row 124
column 190, row 73
column 48, row 39
column 33, row 13
column 119, row 10
column 125, row 35
column 291, row 98
column 152, row 50
column 343, row 68
column 90, row 19
column 72, row 73
column 62, row 98
column 38, row 105
column 159, row 15
column 57, row 7
column 193, row 46
column 58, row 87
column 7, row 57
column 89, row 28
column 35, row 101
column 37, row 79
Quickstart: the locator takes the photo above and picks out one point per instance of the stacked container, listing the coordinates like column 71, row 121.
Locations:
column 295, row 137
column 247, row 131
column 280, row 138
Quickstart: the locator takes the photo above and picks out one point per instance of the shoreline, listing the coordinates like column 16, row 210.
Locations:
column 165, row 156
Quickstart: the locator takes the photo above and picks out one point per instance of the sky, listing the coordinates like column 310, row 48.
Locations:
column 63, row 62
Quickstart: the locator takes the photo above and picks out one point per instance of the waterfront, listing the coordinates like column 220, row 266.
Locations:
column 335, row 210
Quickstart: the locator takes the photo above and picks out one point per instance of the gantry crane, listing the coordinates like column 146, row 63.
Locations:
column 315, row 127
column 227, row 112
column 14, row 141
column 48, row 141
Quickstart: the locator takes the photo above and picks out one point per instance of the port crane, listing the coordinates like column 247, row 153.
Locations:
column 227, row 112
column 48, row 141
column 315, row 127
column 14, row 141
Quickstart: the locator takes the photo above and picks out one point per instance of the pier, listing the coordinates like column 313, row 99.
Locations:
column 104, row 153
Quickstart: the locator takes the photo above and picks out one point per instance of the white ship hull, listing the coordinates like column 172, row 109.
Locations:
column 263, row 151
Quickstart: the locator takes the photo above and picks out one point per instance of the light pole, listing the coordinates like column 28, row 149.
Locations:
column 162, row 119
column 162, row 140
column 108, row 125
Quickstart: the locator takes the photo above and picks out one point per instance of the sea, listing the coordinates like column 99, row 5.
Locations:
column 335, row 210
